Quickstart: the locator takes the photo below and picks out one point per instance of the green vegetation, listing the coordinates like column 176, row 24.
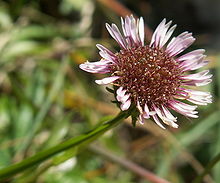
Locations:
column 46, row 102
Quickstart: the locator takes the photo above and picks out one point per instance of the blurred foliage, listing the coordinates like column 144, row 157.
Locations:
column 45, row 98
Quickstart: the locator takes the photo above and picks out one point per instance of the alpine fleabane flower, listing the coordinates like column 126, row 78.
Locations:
column 155, row 77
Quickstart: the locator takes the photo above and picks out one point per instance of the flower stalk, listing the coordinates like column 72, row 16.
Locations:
column 73, row 142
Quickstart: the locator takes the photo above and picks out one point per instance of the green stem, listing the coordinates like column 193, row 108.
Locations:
column 208, row 168
column 41, row 156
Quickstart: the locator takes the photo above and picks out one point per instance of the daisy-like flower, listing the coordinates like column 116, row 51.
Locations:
column 153, row 77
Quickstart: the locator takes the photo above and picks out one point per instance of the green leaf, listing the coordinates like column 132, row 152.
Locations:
column 200, row 129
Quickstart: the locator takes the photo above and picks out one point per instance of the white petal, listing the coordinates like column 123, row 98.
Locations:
column 146, row 114
column 139, row 107
column 120, row 94
column 168, row 114
column 107, row 80
column 185, row 106
column 125, row 98
column 164, row 118
column 119, row 91
column 198, row 102
column 133, row 30
column 199, row 97
column 162, row 34
column 107, row 57
column 126, row 105
column 196, row 92
column 168, row 34
column 158, row 121
column 140, row 119
column 141, row 30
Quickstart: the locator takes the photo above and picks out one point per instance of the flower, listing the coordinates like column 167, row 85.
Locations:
column 153, row 77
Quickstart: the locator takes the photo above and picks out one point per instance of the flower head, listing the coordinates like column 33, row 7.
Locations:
column 153, row 77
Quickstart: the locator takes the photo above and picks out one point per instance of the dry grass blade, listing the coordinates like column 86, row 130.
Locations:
column 122, row 11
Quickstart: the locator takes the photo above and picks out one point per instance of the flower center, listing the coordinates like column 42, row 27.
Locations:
column 148, row 74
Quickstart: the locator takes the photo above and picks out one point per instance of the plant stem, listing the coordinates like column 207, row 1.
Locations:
column 208, row 168
column 73, row 142
column 133, row 167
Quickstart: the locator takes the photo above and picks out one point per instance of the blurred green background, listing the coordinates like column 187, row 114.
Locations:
column 45, row 98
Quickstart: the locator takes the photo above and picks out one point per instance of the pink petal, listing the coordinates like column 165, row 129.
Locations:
column 118, row 35
column 197, row 66
column 193, row 64
column 126, row 33
column 182, row 108
column 154, row 39
column 198, row 79
column 162, row 34
column 179, row 44
column 196, row 82
column 104, row 49
column 193, row 55
column 95, row 67
column 166, row 117
column 114, row 32
column 198, row 76
column 132, row 31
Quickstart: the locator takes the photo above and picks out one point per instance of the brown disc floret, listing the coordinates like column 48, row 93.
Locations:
column 149, row 74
